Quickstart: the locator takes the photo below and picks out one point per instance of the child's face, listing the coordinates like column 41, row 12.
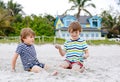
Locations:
column 74, row 35
column 29, row 40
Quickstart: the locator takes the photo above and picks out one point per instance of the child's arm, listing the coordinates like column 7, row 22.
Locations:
column 86, row 54
column 14, row 61
column 62, row 52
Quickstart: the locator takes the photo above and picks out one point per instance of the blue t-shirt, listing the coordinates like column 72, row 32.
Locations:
column 28, row 55
column 75, row 49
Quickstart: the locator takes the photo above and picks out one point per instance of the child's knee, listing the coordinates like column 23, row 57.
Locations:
column 75, row 67
column 36, row 69
column 64, row 65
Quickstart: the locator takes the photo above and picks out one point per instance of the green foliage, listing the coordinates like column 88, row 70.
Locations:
column 2, row 4
column 111, row 23
column 41, row 25
column 9, row 14
column 5, row 22
column 14, row 7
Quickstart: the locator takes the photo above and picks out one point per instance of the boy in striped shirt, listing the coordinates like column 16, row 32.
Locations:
column 75, row 49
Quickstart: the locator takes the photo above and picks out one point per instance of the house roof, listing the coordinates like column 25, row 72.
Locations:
column 83, row 19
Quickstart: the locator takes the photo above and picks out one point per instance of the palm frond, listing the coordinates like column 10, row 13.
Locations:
column 87, row 12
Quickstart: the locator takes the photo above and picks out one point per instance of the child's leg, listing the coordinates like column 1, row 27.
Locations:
column 78, row 67
column 35, row 69
column 75, row 67
column 82, row 69
column 65, row 65
column 46, row 67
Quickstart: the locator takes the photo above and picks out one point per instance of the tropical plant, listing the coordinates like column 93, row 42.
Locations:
column 40, row 24
column 107, row 20
column 5, row 22
column 49, row 17
column 112, row 24
column 12, row 21
column 2, row 4
column 14, row 7
column 81, row 5
column 116, row 27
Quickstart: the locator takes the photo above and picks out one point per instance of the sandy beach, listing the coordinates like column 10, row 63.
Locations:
column 102, row 66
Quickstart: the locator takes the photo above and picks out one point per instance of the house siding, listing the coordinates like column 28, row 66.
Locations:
column 91, row 27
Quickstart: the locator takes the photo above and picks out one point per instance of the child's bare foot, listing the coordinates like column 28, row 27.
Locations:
column 54, row 73
column 82, row 69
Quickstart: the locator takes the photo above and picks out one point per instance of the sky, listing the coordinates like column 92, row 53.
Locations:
column 58, row 7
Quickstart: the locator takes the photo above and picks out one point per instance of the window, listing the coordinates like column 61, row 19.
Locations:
column 97, row 35
column 67, row 35
column 87, row 35
column 63, row 35
column 92, row 34
column 95, row 24
column 81, row 35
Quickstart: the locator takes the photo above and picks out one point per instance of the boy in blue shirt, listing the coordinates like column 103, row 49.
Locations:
column 27, row 53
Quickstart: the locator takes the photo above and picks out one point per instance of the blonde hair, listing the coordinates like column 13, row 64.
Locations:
column 26, row 32
column 75, row 26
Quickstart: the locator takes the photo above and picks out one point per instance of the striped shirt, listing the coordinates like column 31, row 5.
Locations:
column 75, row 49
column 28, row 55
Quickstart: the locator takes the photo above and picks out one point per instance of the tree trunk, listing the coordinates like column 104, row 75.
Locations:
column 78, row 14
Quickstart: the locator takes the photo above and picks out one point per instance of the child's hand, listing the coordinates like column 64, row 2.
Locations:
column 85, row 57
column 61, row 51
column 57, row 46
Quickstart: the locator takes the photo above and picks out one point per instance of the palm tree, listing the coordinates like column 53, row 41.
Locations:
column 80, row 5
column 5, row 22
column 107, row 20
column 112, row 24
column 116, row 27
column 15, row 8
column 2, row 4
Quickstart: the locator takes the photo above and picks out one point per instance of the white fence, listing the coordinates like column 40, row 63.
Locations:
column 39, row 39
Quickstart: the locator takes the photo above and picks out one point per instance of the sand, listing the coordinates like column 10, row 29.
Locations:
column 103, row 65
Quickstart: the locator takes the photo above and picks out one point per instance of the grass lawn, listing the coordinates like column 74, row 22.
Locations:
column 104, row 42
column 60, row 41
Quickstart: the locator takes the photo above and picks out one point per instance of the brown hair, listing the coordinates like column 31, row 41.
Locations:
column 75, row 26
column 26, row 32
